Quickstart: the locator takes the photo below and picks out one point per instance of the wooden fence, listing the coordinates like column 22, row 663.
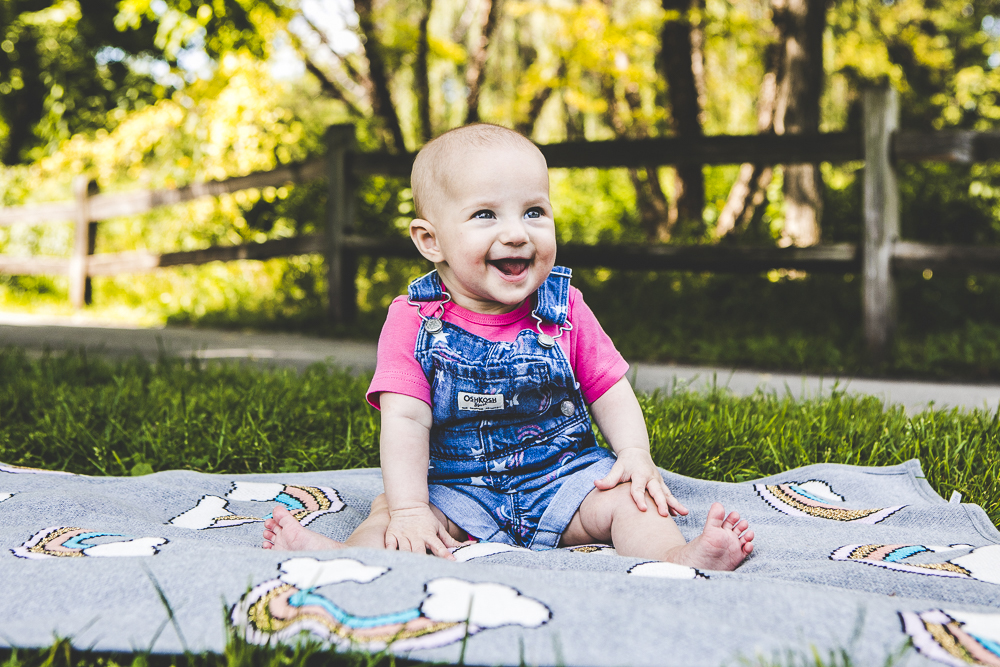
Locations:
column 878, row 253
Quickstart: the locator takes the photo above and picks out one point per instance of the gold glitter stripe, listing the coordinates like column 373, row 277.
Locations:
column 947, row 567
column 835, row 514
column 43, row 545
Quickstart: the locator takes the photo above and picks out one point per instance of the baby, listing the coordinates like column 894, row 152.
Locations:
column 485, row 374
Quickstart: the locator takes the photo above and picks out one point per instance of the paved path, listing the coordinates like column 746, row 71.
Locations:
column 35, row 334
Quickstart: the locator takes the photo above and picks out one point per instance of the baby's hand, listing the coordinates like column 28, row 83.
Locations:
column 416, row 529
column 636, row 465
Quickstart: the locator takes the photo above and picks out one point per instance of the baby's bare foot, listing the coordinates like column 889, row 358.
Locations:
column 723, row 544
column 284, row 533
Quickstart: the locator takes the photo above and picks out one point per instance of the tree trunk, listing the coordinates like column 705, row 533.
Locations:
column 475, row 73
column 526, row 124
column 801, row 24
column 461, row 30
column 381, row 97
column 357, row 82
column 527, row 57
column 749, row 192
column 654, row 208
column 422, row 79
column 574, row 122
column 677, row 63
column 329, row 87
column 337, row 87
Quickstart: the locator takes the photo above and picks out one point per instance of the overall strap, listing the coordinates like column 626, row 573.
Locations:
column 426, row 288
column 553, row 296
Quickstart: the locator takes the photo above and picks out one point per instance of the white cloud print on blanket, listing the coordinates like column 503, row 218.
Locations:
column 956, row 561
column 816, row 499
column 955, row 638
column 73, row 542
column 306, row 503
column 281, row 608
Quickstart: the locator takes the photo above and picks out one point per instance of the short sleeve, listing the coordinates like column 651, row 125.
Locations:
column 596, row 362
column 396, row 369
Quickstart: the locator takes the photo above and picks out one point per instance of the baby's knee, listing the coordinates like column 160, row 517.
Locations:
column 623, row 503
column 613, row 500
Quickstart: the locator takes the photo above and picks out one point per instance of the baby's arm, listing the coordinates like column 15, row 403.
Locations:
column 405, row 453
column 620, row 419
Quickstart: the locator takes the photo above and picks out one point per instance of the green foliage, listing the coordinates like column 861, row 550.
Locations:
column 79, row 66
column 607, row 215
column 62, row 72
column 189, row 137
column 234, row 118
column 935, row 53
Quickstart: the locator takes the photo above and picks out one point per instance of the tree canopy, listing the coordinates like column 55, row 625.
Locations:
column 404, row 71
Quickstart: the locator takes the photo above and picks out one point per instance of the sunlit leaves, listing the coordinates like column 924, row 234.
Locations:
column 56, row 76
column 937, row 53
column 239, row 122
column 52, row 82
column 445, row 49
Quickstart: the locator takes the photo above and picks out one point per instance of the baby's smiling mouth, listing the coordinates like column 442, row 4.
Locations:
column 510, row 266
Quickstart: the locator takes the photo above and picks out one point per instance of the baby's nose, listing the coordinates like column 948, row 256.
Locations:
column 514, row 232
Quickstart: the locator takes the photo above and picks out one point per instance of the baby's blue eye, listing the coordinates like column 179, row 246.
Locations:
column 485, row 214
column 534, row 212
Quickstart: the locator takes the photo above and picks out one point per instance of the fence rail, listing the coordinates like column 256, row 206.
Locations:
column 878, row 254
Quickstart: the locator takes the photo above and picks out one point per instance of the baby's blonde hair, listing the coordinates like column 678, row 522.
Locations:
column 437, row 160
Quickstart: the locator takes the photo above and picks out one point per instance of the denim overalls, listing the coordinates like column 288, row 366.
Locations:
column 512, row 453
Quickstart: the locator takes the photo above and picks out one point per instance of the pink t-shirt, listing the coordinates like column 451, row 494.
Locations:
column 593, row 357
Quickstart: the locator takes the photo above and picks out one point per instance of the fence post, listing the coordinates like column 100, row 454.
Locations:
column 339, row 220
column 84, row 239
column 881, row 211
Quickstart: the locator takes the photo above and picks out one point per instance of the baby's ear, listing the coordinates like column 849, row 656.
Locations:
column 424, row 236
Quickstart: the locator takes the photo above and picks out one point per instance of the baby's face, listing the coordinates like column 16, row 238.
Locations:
column 493, row 224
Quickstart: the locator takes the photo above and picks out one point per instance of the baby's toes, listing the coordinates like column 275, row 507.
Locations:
column 716, row 516
column 731, row 521
column 741, row 526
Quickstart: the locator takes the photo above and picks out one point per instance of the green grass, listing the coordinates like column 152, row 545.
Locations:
column 311, row 654
column 238, row 653
column 93, row 416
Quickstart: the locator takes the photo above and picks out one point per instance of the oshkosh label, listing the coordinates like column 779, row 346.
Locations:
column 479, row 402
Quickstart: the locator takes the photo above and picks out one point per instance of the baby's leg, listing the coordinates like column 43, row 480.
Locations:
column 284, row 533
column 613, row 516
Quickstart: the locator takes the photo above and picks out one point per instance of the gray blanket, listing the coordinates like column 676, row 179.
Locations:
column 862, row 560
